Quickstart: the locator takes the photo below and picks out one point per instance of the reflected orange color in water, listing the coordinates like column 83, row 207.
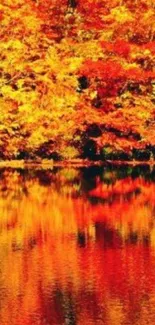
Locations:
column 76, row 248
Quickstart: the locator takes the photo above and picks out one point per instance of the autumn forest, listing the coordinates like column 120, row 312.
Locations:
column 77, row 162
column 77, row 79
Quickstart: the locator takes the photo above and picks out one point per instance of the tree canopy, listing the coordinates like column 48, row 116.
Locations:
column 77, row 79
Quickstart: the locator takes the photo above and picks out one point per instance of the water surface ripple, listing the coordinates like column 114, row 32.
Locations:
column 77, row 246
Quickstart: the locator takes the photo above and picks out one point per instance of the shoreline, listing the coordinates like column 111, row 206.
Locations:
column 50, row 164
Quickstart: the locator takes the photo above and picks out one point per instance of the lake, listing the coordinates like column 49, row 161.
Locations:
column 77, row 246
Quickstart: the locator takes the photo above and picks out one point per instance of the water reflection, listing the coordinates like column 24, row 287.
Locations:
column 77, row 246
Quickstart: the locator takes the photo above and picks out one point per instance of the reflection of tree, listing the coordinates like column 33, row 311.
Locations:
column 125, row 204
column 73, row 261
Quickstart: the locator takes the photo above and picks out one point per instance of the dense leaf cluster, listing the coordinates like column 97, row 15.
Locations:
column 77, row 80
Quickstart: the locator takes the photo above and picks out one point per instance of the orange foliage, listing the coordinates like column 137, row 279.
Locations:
column 64, row 68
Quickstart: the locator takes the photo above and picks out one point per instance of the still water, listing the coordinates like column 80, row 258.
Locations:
column 77, row 246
